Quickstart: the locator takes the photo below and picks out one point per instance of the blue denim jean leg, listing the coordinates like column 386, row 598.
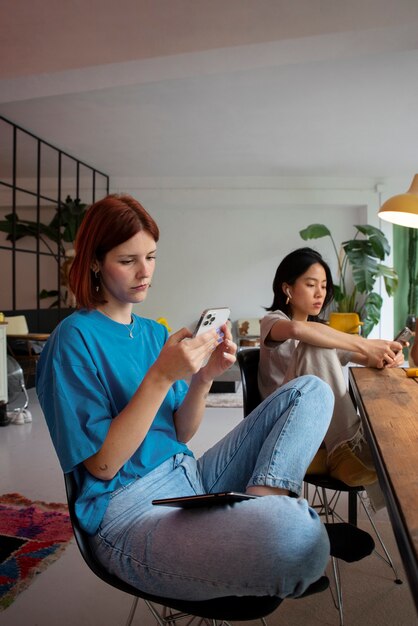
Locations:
column 272, row 545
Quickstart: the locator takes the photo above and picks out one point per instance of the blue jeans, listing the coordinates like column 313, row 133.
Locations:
column 273, row 545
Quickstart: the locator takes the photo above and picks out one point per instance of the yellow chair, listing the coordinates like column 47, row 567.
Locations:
column 346, row 322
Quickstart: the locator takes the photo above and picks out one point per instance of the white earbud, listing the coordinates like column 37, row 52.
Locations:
column 288, row 293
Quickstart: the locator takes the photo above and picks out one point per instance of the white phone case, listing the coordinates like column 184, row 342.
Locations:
column 212, row 318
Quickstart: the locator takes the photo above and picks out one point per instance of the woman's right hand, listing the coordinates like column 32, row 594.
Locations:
column 182, row 355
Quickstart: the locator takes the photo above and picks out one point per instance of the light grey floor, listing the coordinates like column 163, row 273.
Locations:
column 68, row 594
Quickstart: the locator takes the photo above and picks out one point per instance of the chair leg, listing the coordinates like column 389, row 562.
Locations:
column 169, row 617
column 387, row 558
column 352, row 507
column 338, row 597
column 132, row 612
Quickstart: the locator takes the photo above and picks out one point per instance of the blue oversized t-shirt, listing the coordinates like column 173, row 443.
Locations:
column 87, row 373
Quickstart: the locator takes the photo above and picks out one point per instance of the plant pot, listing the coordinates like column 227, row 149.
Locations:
column 345, row 322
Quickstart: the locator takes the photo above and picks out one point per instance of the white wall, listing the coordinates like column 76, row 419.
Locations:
column 220, row 245
column 221, row 240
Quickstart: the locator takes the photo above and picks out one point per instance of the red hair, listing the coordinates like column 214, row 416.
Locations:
column 107, row 223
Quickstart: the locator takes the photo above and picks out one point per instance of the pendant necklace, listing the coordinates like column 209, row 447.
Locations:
column 129, row 327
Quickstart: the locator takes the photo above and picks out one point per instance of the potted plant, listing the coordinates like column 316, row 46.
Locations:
column 363, row 256
column 61, row 229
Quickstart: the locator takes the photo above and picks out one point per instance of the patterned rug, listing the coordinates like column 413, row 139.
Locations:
column 32, row 536
column 225, row 400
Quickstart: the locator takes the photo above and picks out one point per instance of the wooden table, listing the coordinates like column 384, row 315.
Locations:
column 30, row 336
column 388, row 405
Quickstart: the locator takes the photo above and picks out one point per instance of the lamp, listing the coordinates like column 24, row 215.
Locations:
column 402, row 209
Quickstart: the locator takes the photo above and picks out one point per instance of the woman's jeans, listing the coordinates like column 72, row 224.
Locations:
column 272, row 545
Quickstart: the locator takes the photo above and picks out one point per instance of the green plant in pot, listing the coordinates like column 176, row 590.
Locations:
column 359, row 266
column 61, row 230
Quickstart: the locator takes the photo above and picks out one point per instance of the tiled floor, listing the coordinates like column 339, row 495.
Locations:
column 68, row 594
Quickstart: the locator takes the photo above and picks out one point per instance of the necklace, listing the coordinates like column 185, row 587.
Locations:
column 129, row 327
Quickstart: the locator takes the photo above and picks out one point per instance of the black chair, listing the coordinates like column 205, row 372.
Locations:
column 248, row 361
column 211, row 612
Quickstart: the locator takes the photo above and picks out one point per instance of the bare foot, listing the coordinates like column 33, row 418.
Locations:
column 264, row 490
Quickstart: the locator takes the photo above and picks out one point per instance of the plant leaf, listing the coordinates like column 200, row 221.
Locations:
column 371, row 312
column 315, row 231
column 68, row 218
column 364, row 266
column 377, row 239
column 390, row 278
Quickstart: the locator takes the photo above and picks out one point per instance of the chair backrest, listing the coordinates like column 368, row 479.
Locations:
column 248, row 360
column 16, row 325
column 83, row 543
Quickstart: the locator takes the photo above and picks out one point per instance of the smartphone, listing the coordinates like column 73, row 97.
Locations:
column 211, row 318
column 205, row 499
column 404, row 335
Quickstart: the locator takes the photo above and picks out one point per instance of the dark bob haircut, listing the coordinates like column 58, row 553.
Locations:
column 108, row 223
column 294, row 265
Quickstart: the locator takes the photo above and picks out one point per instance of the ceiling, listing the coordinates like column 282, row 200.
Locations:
column 216, row 88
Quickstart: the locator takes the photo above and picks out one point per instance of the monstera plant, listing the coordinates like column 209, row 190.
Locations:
column 360, row 264
column 61, row 230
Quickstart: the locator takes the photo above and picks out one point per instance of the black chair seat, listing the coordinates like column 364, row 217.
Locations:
column 327, row 482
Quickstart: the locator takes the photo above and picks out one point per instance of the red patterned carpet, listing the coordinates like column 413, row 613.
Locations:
column 32, row 536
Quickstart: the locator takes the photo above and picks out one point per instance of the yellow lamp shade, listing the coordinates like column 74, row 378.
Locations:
column 403, row 208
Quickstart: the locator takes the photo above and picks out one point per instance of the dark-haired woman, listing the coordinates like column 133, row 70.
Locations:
column 111, row 385
column 294, row 342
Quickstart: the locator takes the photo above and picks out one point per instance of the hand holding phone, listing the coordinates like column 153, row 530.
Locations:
column 211, row 318
column 404, row 335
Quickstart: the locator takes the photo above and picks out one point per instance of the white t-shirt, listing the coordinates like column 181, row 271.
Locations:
column 275, row 356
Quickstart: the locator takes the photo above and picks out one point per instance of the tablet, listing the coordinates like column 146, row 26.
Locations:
column 205, row 499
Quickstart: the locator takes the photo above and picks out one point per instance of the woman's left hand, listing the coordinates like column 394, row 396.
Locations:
column 221, row 358
column 399, row 359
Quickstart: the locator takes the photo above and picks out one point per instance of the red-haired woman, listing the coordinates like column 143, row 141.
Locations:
column 111, row 385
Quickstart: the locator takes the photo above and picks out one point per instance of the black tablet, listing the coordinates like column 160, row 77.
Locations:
column 205, row 499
